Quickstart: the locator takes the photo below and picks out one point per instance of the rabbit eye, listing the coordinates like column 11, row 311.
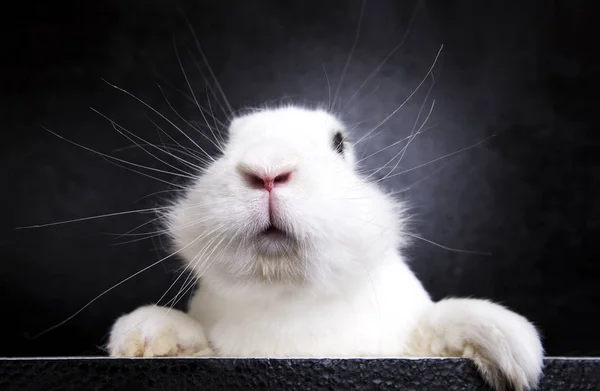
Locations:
column 338, row 143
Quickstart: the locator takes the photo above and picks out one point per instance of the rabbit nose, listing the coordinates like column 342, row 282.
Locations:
column 268, row 182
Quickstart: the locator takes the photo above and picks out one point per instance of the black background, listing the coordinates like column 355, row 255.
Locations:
column 524, row 71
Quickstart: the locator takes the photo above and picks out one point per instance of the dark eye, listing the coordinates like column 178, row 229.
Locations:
column 338, row 143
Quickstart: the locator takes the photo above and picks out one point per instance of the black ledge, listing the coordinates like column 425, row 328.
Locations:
column 175, row 374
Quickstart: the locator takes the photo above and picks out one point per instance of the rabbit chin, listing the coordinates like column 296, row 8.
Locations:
column 271, row 257
column 274, row 244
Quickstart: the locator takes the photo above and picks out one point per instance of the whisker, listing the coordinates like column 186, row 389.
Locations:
column 194, row 276
column 406, row 188
column 117, row 159
column 159, row 192
column 116, row 127
column 199, row 47
column 218, row 136
column 112, row 288
column 190, row 152
column 130, row 232
column 339, row 86
column 218, row 146
column 446, row 247
column 143, row 320
column 403, row 150
column 385, row 60
column 382, row 149
column 442, row 157
column 191, row 100
column 204, row 235
column 195, row 100
column 196, row 167
column 430, row 241
column 407, row 99
column 329, row 108
column 94, row 217
column 170, row 147
column 144, row 174
column 163, row 231
column 158, row 233
column 209, row 87
column 411, row 140
column 160, row 115
column 155, row 209
column 197, row 274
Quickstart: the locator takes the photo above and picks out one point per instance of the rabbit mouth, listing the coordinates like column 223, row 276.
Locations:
column 274, row 241
column 273, row 232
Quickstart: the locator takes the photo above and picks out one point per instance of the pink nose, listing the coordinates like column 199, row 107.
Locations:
column 268, row 182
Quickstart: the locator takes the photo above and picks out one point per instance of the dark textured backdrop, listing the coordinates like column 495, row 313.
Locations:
column 524, row 71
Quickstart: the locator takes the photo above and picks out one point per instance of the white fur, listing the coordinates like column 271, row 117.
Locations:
column 504, row 345
column 152, row 331
column 339, row 288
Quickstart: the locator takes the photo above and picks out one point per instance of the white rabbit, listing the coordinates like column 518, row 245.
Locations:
column 299, row 256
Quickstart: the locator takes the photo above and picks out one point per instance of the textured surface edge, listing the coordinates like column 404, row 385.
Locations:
column 273, row 374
